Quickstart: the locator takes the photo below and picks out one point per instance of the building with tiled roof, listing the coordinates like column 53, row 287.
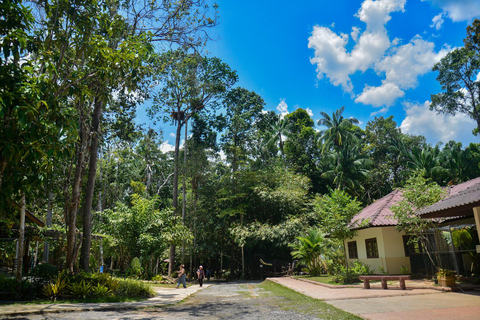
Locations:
column 377, row 242
column 380, row 245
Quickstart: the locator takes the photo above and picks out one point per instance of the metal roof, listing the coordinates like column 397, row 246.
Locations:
column 460, row 201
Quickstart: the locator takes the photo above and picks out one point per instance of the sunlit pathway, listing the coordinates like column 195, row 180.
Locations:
column 221, row 301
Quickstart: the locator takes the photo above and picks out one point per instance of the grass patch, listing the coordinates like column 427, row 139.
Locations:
column 291, row 300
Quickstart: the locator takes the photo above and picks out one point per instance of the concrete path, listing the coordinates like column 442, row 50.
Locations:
column 165, row 296
column 390, row 304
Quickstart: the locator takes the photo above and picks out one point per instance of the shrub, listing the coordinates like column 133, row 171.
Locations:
column 134, row 288
column 10, row 289
column 157, row 278
column 44, row 272
column 80, row 290
column 342, row 275
column 55, row 289
column 112, row 284
column 100, row 290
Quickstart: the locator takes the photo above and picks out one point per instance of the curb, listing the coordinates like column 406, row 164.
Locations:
column 10, row 311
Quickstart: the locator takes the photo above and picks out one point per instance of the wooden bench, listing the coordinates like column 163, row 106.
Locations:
column 384, row 279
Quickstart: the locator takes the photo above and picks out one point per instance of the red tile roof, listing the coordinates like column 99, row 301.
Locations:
column 378, row 213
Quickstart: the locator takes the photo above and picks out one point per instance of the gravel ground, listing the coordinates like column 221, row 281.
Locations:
column 221, row 301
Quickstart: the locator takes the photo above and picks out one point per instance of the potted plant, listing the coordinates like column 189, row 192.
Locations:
column 446, row 277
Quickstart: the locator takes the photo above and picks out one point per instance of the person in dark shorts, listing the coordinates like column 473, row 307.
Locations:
column 200, row 275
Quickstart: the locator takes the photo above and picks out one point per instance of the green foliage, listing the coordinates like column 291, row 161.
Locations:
column 13, row 290
column 349, row 275
column 335, row 212
column 312, row 250
column 54, row 290
column 135, row 267
column 100, row 290
column 44, row 271
column 445, row 272
column 80, row 290
column 157, row 278
column 134, row 288
column 418, row 193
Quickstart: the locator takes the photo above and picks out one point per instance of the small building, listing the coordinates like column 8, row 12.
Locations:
column 386, row 250
column 377, row 242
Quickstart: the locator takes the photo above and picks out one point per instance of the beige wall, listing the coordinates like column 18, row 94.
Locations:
column 391, row 254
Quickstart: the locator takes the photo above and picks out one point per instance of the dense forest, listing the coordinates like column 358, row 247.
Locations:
column 243, row 185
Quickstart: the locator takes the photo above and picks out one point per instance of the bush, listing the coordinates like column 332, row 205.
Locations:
column 342, row 275
column 55, row 289
column 44, row 272
column 80, row 290
column 157, row 278
column 11, row 290
column 100, row 291
column 134, row 288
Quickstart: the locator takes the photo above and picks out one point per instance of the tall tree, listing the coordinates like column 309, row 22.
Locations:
column 191, row 83
column 457, row 74
column 339, row 129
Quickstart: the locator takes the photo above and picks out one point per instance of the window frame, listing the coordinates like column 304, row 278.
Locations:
column 352, row 249
column 371, row 247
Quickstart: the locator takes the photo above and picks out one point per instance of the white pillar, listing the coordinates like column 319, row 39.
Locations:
column 476, row 214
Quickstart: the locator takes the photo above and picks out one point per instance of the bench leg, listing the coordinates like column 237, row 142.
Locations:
column 402, row 284
column 384, row 284
column 366, row 284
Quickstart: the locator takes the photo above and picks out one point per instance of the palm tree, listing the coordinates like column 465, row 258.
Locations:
column 311, row 250
column 349, row 169
column 280, row 130
column 427, row 159
column 338, row 130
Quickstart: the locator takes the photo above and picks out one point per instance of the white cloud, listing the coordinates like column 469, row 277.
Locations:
column 400, row 66
column 377, row 13
column 166, row 147
column 437, row 127
column 172, row 134
column 309, row 112
column 331, row 56
column 401, row 69
column 458, row 10
column 385, row 95
column 354, row 34
column 282, row 108
column 437, row 21
column 410, row 61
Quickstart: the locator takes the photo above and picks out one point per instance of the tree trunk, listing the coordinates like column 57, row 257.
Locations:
column 46, row 245
column 171, row 258
column 75, row 199
column 21, row 238
column 184, row 189
column 92, row 173
column 99, row 208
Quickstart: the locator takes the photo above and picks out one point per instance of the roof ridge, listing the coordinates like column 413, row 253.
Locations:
column 390, row 196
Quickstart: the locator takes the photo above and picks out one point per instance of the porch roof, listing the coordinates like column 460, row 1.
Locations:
column 461, row 200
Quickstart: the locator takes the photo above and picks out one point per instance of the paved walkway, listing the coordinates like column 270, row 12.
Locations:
column 165, row 296
column 393, row 303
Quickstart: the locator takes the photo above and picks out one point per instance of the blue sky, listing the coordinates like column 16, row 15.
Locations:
column 373, row 57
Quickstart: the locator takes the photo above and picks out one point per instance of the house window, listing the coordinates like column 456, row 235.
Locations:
column 352, row 250
column 372, row 248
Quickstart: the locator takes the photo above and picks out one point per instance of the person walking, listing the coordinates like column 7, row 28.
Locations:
column 182, row 277
column 200, row 275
